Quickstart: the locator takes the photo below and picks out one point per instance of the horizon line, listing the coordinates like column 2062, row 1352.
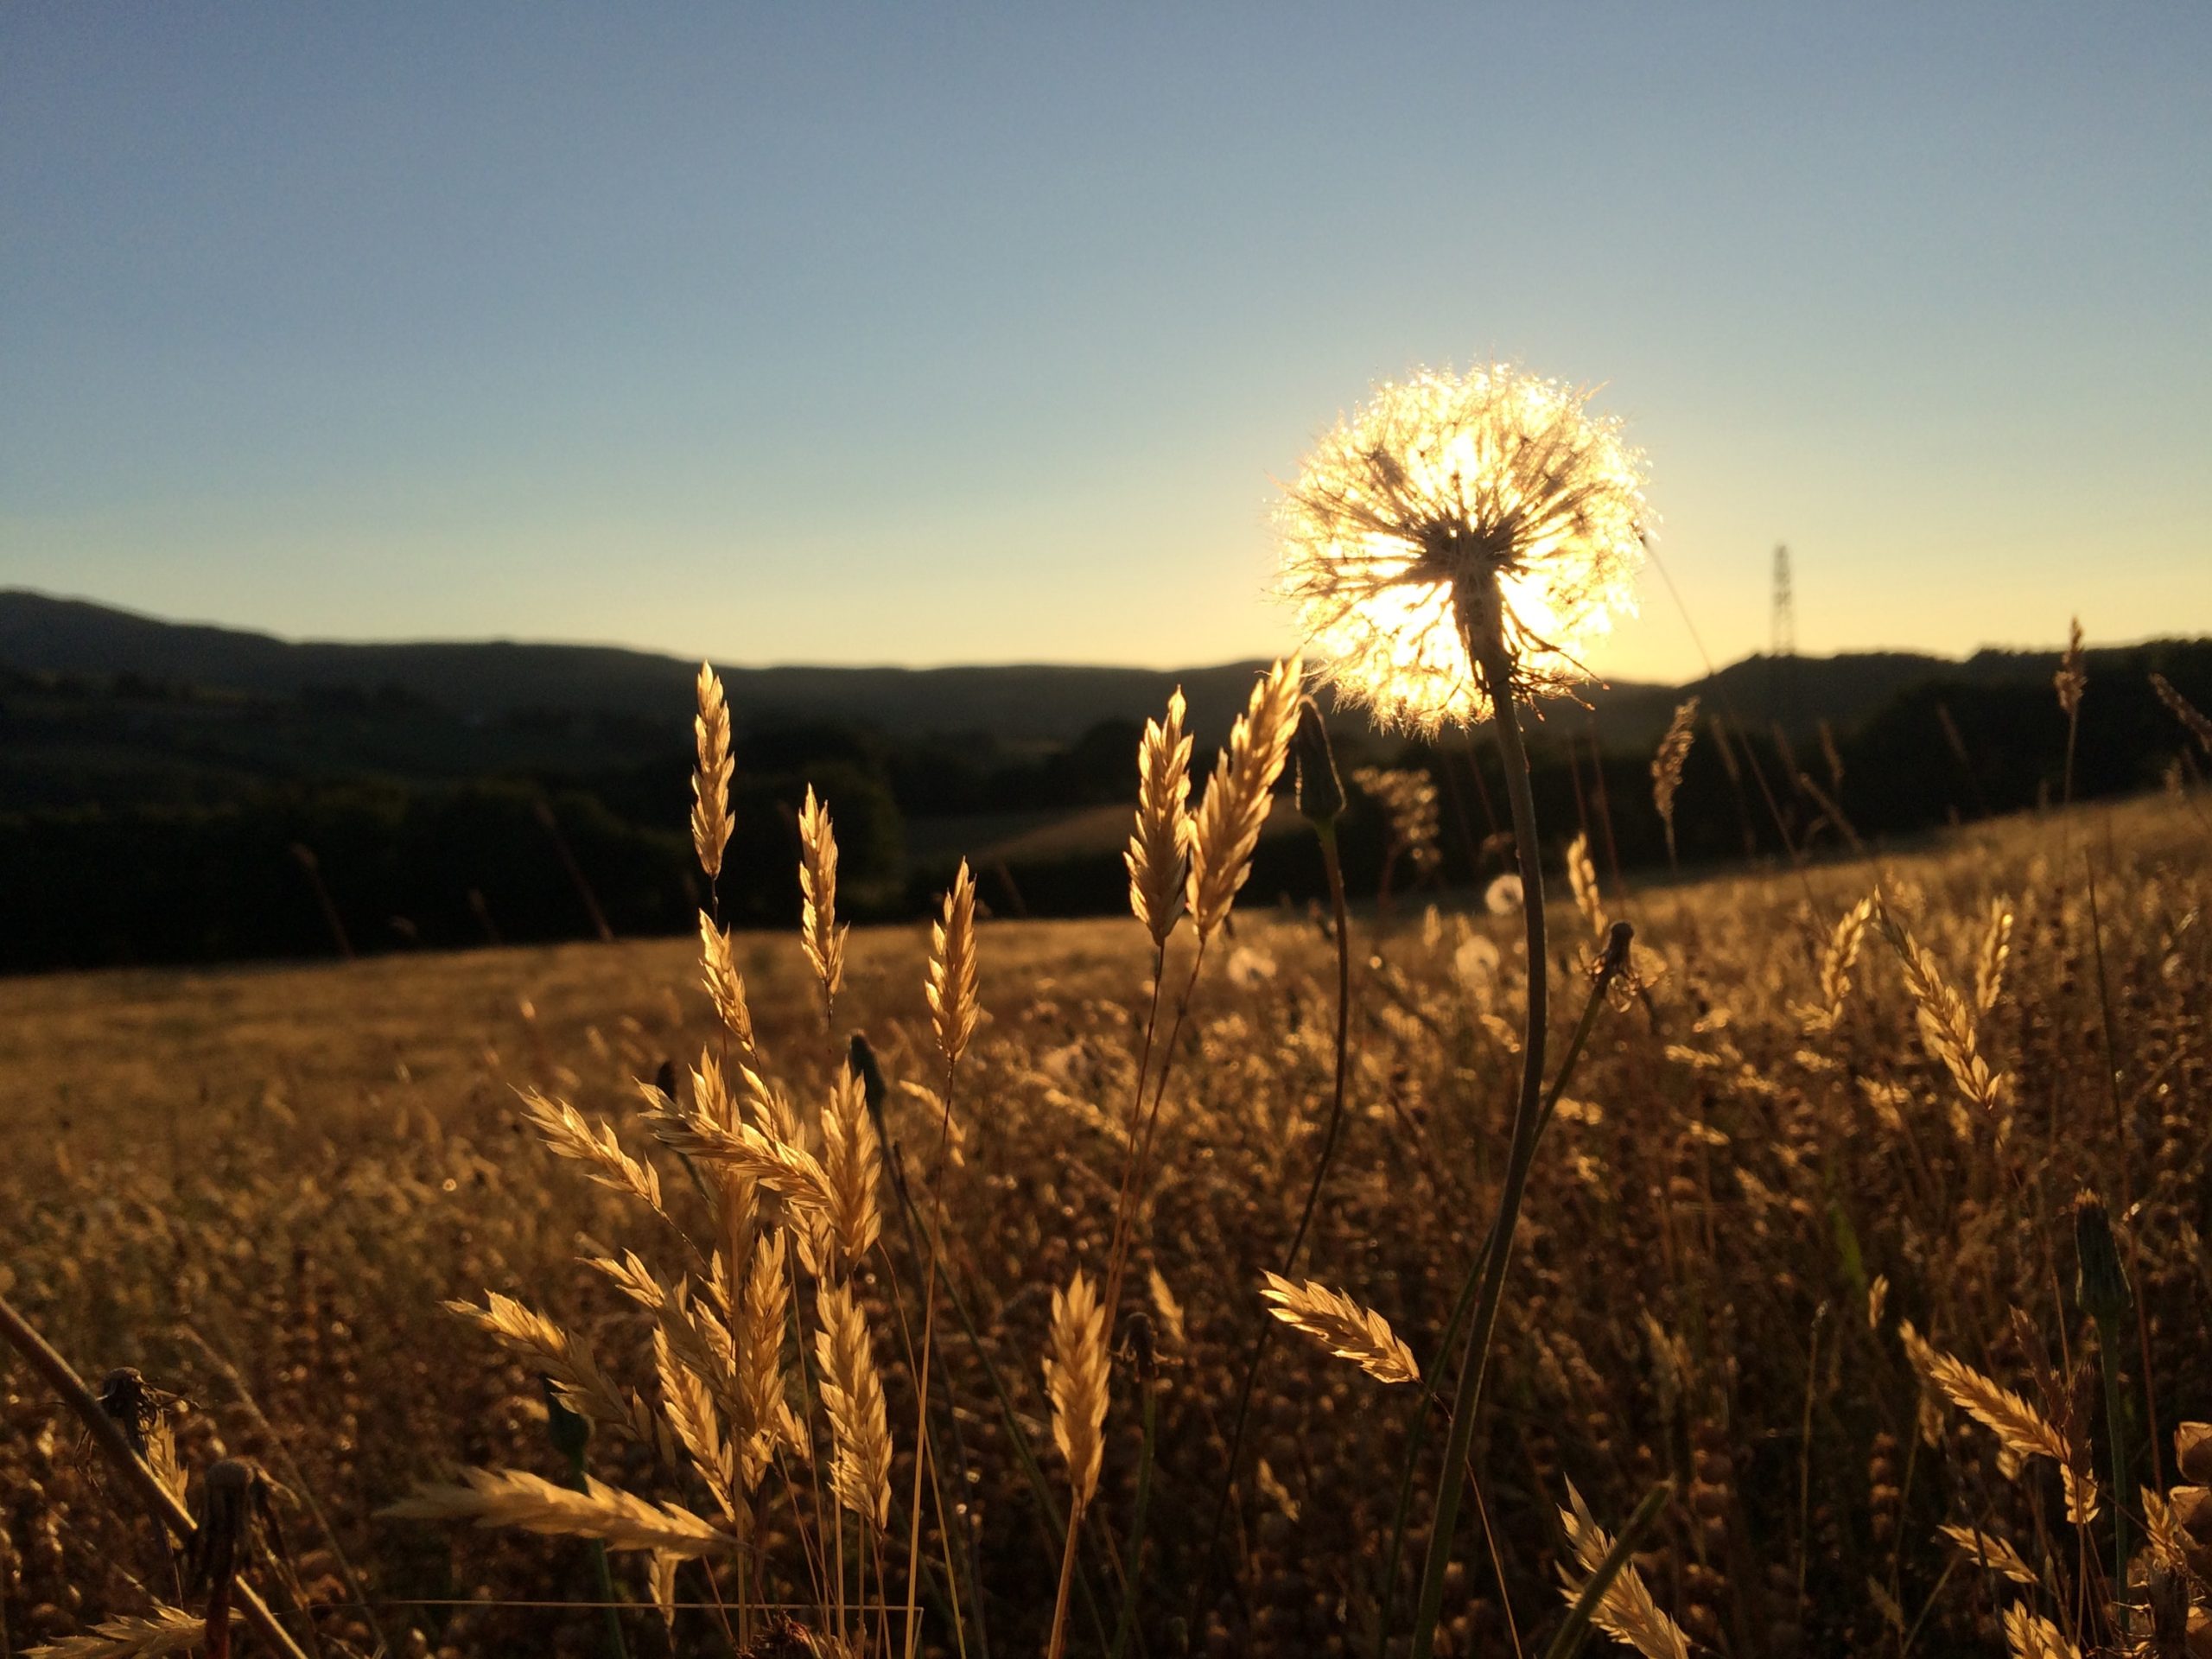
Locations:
column 669, row 654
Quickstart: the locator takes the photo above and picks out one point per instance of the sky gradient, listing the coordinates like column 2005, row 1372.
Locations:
column 926, row 335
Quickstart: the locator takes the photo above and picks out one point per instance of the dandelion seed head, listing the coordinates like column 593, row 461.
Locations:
column 1407, row 513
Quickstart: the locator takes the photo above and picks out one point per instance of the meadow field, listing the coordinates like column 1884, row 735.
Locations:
column 1796, row 1273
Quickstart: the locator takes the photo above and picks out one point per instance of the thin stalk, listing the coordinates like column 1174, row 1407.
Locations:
column 862, row 1060
column 2116, row 1426
column 1123, row 1201
column 1059, row 1642
column 570, row 1433
column 1486, row 649
column 928, row 1345
column 299, row 1480
column 1569, row 1641
column 1326, row 833
column 1134, row 1570
column 62, row 1378
column 1609, row 965
column 1138, row 1168
column 1017, row 1435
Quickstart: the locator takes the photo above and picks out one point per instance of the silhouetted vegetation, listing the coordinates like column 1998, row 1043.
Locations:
column 144, row 820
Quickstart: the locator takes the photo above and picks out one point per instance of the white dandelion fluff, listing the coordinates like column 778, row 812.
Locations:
column 1490, row 506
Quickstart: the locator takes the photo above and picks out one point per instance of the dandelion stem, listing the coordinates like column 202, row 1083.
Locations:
column 1609, row 965
column 1486, row 649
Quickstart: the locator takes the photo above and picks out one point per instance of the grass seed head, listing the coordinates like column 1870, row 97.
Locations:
column 1075, row 1378
column 1343, row 1326
column 1160, row 846
column 710, row 820
column 1238, row 795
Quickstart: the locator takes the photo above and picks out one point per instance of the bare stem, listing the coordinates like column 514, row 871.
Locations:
column 1486, row 649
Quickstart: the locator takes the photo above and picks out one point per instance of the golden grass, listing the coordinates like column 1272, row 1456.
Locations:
column 510, row 1498
column 166, row 1630
column 1159, row 851
column 306, row 1161
column 1343, row 1326
column 1239, row 796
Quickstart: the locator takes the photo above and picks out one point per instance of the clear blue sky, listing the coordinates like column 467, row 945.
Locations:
column 923, row 333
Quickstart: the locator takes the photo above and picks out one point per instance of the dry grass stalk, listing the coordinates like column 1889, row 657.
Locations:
column 1410, row 801
column 2018, row 1425
column 790, row 1172
column 1075, row 1377
column 687, row 1403
column 1947, row 1027
column 951, row 986
column 1582, row 879
column 2070, row 680
column 162, row 1457
column 1666, row 765
column 701, row 1342
column 1989, row 961
column 2083, row 1502
column 660, row 1579
column 819, row 934
column 1343, row 1326
column 2163, row 1530
column 1626, row 1611
column 583, row 1386
column 762, row 1312
column 2030, row 1636
column 2200, row 726
column 1227, row 826
column 568, row 1134
column 636, row 1280
column 508, row 1497
column 852, row 1166
column 710, row 821
column 1836, row 963
column 1159, row 851
column 1169, row 1310
column 1993, row 1553
column 851, row 1396
column 725, row 987
column 170, row 1630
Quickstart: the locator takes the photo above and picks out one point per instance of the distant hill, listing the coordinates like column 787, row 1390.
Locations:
column 494, row 678
column 1015, row 704
column 173, row 793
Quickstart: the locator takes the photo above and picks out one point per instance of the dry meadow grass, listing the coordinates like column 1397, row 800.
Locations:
column 479, row 1241
column 1768, row 1213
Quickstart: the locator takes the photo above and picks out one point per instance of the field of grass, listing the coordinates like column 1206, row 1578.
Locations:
column 1765, row 1188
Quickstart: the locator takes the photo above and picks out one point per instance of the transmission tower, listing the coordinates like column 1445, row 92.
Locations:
column 1786, row 611
column 1782, row 657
